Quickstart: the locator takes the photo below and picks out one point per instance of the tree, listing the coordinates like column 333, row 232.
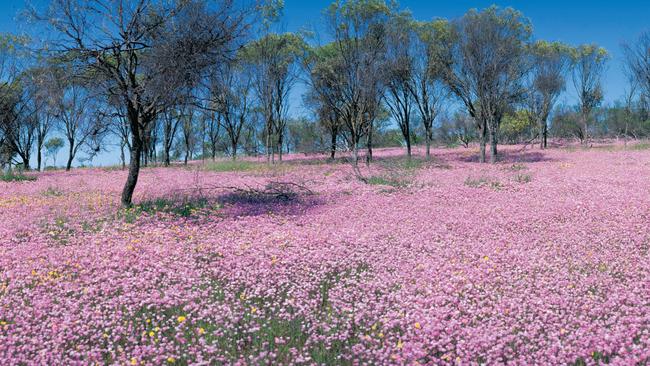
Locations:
column 149, row 52
column 18, row 122
column 485, row 66
column 427, row 88
column 170, row 122
column 550, row 62
column 274, row 60
column 324, row 94
column 232, row 99
column 637, row 70
column 188, row 128
column 78, row 113
column 588, row 66
column 356, row 66
column 52, row 147
column 399, row 76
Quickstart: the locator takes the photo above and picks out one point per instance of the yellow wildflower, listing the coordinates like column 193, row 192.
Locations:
column 417, row 325
column 201, row 331
column 253, row 310
column 152, row 333
column 171, row 359
column 400, row 344
column 134, row 361
column 181, row 319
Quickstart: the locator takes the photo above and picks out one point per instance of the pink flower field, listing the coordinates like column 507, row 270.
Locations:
column 542, row 258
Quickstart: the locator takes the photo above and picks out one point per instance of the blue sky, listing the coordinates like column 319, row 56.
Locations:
column 605, row 23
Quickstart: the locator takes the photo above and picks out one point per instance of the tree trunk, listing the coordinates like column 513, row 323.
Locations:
column 544, row 135
column 38, row 157
column 369, row 146
column 234, row 150
column 70, row 156
column 134, row 171
column 334, row 133
column 408, row 146
column 407, row 137
column 483, row 141
column 122, row 157
column 280, row 142
column 26, row 162
column 428, row 141
column 493, row 144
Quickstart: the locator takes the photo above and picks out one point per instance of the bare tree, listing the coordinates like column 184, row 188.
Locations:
column 232, row 98
column 275, row 62
column 637, row 70
column 143, row 53
column 485, row 66
column 213, row 122
column 78, row 117
column 399, row 76
column 588, row 66
column 18, row 120
column 550, row 63
column 356, row 60
column 188, row 128
column 427, row 88
column 170, row 122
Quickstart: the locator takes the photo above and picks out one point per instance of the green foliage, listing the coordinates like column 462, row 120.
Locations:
column 187, row 207
column 284, row 49
column 483, row 181
column 16, row 176
column 590, row 51
column 233, row 166
column 516, row 124
column 387, row 180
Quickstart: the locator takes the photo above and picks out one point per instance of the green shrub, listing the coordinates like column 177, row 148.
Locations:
column 481, row 182
column 16, row 176
column 387, row 181
column 233, row 166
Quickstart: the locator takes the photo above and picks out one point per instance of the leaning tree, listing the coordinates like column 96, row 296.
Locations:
column 143, row 53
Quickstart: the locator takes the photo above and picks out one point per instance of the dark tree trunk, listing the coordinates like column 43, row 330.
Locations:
column 68, row 166
column 234, row 150
column 280, row 142
column 25, row 159
column 134, row 171
column 122, row 157
column 39, row 158
column 369, row 147
column 543, row 143
column 408, row 145
column 483, row 141
column 428, row 140
column 493, row 144
column 334, row 134
column 166, row 153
